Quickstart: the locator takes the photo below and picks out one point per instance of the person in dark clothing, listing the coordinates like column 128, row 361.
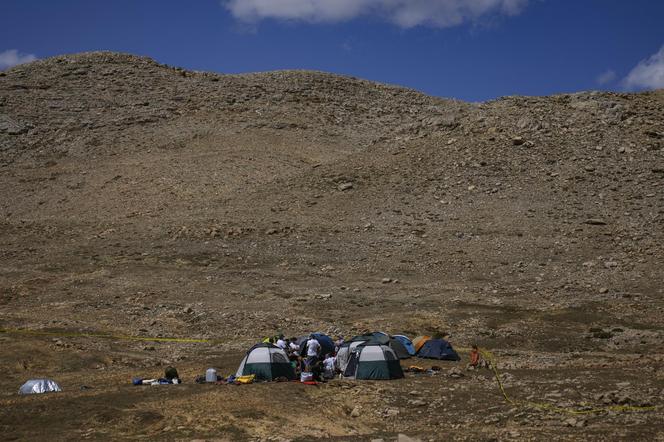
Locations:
column 316, row 369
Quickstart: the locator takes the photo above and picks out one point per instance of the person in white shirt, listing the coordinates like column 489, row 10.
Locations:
column 281, row 342
column 328, row 367
column 293, row 347
column 313, row 350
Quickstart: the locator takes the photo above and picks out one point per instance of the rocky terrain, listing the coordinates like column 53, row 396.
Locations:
column 145, row 200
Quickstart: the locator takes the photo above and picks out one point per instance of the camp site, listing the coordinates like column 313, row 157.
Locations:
column 332, row 220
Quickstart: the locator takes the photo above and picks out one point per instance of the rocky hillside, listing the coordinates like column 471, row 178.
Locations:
column 143, row 199
column 74, row 104
column 330, row 175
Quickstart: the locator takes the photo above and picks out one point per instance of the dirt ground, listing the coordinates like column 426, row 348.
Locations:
column 139, row 199
column 428, row 407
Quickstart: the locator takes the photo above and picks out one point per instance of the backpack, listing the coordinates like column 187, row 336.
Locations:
column 171, row 373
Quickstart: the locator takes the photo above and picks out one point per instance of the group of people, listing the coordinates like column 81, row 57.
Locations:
column 310, row 358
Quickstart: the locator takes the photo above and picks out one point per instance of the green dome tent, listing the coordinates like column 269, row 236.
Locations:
column 373, row 361
column 267, row 362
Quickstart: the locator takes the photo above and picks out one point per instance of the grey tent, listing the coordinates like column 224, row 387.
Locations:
column 383, row 338
column 373, row 361
column 399, row 349
column 380, row 337
column 267, row 362
column 343, row 355
column 36, row 386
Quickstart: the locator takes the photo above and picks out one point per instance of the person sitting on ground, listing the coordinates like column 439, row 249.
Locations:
column 293, row 355
column 281, row 343
column 295, row 363
column 312, row 350
column 476, row 359
column 171, row 375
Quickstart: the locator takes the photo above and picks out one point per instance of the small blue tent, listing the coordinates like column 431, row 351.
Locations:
column 326, row 344
column 438, row 349
column 406, row 343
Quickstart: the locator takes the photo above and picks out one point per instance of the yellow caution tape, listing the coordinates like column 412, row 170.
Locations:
column 491, row 359
column 107, row 336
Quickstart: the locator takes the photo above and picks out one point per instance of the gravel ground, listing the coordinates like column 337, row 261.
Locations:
column 142, row 199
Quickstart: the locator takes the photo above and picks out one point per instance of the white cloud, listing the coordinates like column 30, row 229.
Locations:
column 404, row 13
column 606, row 77
column 12, row 57
column 648, row 74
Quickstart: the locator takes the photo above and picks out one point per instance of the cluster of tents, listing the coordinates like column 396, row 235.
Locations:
column 374, row 355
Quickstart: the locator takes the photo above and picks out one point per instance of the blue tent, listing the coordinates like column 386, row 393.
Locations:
column 438, row 349
column 406, row 343
column 326, row 344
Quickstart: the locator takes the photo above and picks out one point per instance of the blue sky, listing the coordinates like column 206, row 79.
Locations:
column 468, row 49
